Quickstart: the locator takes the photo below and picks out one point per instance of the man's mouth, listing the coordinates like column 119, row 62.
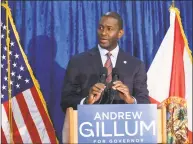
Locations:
column 103, row 40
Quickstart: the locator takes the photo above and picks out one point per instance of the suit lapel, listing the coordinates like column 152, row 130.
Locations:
column 95, row 60
column 120, row 65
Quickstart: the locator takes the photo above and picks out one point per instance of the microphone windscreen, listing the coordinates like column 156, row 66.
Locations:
column 103, row 75
column 115, row 71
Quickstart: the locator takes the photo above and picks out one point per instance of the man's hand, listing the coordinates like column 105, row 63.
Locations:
column 95, row 92
column 123, row 91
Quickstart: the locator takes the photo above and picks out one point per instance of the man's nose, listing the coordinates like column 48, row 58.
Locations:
column 104, row 32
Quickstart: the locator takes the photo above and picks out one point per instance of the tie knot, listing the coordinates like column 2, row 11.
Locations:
column 108, row 54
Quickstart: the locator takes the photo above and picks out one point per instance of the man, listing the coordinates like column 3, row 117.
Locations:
column 81, row 81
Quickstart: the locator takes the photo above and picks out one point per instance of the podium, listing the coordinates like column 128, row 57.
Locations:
column 70, row 128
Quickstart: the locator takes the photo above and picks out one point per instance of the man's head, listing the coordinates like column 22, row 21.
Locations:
column 110, row 30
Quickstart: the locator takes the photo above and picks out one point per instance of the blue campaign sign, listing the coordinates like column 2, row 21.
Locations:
column 119, row 123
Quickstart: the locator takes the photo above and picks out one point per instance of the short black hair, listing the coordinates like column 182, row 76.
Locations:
column 116, row 16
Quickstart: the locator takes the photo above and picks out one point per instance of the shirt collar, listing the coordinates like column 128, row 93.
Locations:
column 103, row 51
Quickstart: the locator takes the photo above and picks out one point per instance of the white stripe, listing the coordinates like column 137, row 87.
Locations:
column 36, row 116
column 5, row 124
column 188, row 86
column 20, row 122
column 159, row 73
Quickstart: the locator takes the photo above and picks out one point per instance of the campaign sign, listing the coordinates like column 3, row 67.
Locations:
column 119, row 123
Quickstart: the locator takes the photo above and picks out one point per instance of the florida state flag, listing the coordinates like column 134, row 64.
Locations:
column 170, row 81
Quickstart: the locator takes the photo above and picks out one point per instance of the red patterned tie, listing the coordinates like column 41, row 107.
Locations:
column 109, row 67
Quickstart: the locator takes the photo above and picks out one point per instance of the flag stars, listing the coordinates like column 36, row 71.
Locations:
column 5, row 48
column 3, row 87
column 14, row 64
column 2, row 65
column 21, row 68
column 12, row 73
column 16, row 56
column 26, row 80
column 17, row 85
column 12, row 43
column 3, row 57
column 2, row 95
column 4, row 27
column 19, row 77
column 5, row 78
column 2, row 36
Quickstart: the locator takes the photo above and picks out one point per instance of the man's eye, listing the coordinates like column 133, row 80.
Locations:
column 100, row 27
column 110, row 29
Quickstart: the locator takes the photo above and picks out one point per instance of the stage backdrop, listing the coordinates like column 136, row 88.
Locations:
column 51, row 32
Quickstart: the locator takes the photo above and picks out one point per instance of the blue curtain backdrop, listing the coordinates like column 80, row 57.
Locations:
column 52, row 31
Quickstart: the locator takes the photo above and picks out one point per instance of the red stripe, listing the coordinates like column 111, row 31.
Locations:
column 31, row 127
column 177, row 83
column 3, row 139
column 153, row 101
column 190, row 136
column 16, row 135
column 49, row 127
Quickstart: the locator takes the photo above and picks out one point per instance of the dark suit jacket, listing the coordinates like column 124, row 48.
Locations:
column 83, row 72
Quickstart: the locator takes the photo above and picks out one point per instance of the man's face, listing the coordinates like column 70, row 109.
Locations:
column 109, row 32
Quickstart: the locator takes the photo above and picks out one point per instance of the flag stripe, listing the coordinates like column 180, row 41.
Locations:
column 5, row 124
column 159, row 73
column 177, row 83
column 20, row 122
column 16, row 135
column 190, row 136
column 46, row 120
column 36, row 116
column 3, row 139
column 28, row 119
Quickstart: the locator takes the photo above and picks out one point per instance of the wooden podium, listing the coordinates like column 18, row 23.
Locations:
column 70, row 132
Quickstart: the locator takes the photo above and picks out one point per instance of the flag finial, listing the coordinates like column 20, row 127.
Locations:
column 173, row 3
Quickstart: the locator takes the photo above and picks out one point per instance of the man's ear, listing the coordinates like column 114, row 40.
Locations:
column 121, row 32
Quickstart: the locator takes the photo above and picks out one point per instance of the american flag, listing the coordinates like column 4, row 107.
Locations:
column 27, row 117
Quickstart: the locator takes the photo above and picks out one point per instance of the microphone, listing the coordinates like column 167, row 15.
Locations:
column 102, row 79
column 115, row 77
column 103, row 75
column 115, row 74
